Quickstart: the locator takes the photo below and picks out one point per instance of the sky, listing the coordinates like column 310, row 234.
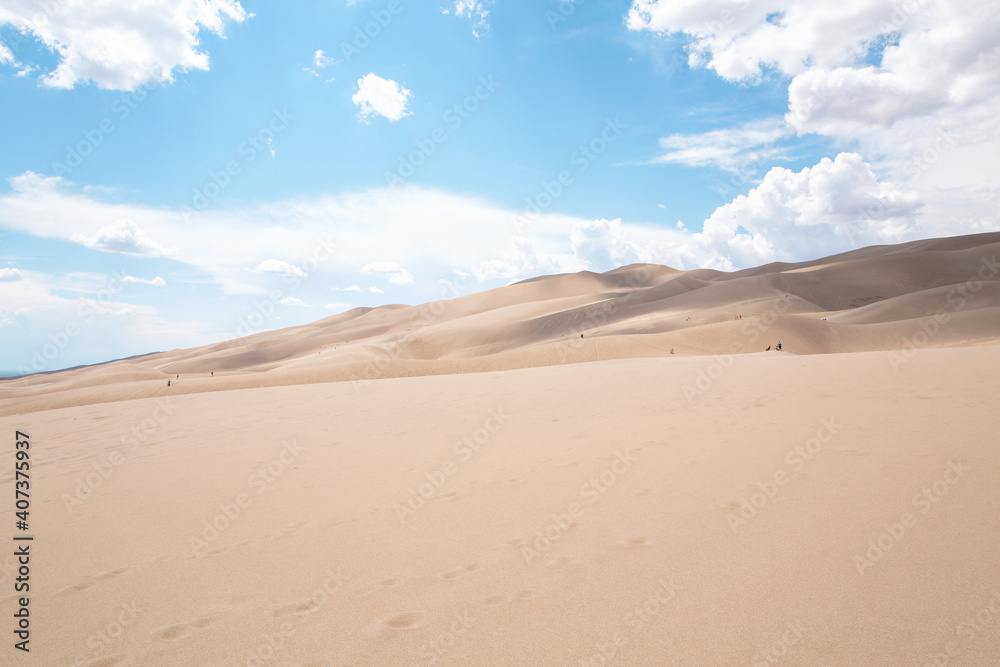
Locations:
column 176, row 173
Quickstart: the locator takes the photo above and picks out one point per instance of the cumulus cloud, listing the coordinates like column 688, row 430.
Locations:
column 119, row 44
column 279, row 267
column 854, row 66
column 157, row 281
column 474, row 10
column 123, row 237
column 381, row 97
column 411, row 237
column 810, row 213
column 733, row 149
column 397, row 274
column 293, row 301
column 10, row 274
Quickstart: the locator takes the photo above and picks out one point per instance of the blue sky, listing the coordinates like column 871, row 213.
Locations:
column 179, row 173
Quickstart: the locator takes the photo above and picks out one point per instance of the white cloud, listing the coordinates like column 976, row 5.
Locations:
column 853, row 65
column 732, row 149
column 121, row 44
column 352, row 288
column 279, row 267
column 293, row 301
column 396, row 273
column 474, row 10
column 383, row 97
column 375, row 290
column 10, row 274
column 792, row 216
column 157, row 281
column 321, row 60
column 6, row 57
column 412, row 237
column 883, row 79
column 124, row 237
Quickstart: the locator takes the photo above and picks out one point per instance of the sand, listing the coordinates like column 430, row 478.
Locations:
column 493, row 495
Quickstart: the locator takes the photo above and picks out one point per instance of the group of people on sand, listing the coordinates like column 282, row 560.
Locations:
column 179, row 377
column 776, row 347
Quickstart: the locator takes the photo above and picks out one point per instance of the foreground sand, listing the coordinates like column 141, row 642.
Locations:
column 799, row 510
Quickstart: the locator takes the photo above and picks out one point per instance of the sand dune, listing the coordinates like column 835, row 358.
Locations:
column 471, row 482
column 868, row 299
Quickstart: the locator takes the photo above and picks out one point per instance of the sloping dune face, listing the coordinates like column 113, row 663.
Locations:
column 932, row 293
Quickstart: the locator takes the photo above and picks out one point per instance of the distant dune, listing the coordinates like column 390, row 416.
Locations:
column 876, row 298
column 835, row 503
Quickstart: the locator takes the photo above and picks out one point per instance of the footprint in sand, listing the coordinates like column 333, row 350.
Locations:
column 455, row 574
column 563, row 561
column 283, row 610
column 174, row 632
column 76, row 588
column 111, row 573
column 403, row 620
column 180, row 631
column 529, row 594
column 84, row 585
column 638, row 542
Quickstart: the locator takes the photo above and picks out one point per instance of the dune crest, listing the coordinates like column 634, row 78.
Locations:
column 930, row 293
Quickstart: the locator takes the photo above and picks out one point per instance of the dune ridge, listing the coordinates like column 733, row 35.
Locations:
column 875, row 298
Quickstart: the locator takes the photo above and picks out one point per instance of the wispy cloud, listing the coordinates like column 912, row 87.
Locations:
column 732, row 149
